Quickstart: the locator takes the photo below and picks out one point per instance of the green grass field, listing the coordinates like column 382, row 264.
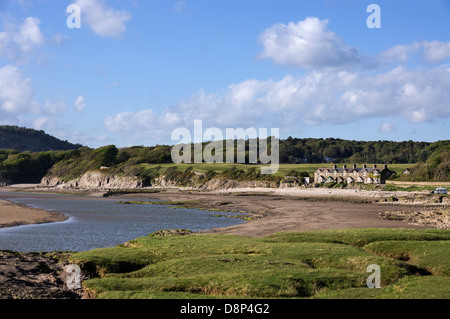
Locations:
column 319, row 264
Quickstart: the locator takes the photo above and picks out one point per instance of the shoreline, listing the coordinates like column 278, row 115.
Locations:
column 277, row 213
column 273, row 209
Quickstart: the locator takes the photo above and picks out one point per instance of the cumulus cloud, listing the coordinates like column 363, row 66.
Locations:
column 104, row 21
column 16, row 41
column 17, row 104
column 428, row 51
column 307, row 44
column 80, row 103
column 317, row 98
column 129, row 121
column 54, row 107
column 397, row 53
column 330, row 94
column 16, row 91
column 436, row 51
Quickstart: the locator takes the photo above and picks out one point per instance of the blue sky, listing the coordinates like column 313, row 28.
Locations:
column 136, row 70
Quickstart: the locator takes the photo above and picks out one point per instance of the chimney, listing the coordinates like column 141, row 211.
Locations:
column 354, row 166
column 385, row 166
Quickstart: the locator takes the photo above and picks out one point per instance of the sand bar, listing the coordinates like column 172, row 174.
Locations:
column 12, row 214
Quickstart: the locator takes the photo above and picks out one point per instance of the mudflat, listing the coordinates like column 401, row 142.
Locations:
column 275, row 213
column 273, row 210
column 12, row 214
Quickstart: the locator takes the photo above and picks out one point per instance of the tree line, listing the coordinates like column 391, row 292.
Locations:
column 310, row 150
column 433, row 158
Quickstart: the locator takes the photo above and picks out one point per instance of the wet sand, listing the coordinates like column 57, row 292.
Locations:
column 275, row 213
column 12, row 214
column 274, row 210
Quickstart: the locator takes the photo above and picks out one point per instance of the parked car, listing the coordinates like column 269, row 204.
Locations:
column 440, row 190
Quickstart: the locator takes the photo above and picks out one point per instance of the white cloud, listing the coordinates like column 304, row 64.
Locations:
column 17, row 41
column 428, row 51
column 307, row 44
column 397, row 53
column 15, row 91
column 317, row 98
column 102, row 19
column 130, row 121
column 436, row 51
column 388, row 128
column 42, row 123
column 30, row 34
column 54, row 107
column 60, row 39
column 17, row 104
column 80, row 103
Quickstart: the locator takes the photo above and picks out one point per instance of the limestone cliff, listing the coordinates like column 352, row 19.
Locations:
column 94, row 180
column 98, row 180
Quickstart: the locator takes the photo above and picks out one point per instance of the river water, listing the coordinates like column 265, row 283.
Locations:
column 99, row 223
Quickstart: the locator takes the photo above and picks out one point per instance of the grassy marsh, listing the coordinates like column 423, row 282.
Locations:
column 319, row 264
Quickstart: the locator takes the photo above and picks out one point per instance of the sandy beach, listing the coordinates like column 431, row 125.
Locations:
column 12, row 214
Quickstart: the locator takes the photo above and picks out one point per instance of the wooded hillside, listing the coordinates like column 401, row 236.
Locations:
column 25, row 139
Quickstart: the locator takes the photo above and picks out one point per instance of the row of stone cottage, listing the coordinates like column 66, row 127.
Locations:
column 354, row 174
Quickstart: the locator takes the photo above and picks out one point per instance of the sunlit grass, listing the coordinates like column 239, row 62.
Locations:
column 320, row 264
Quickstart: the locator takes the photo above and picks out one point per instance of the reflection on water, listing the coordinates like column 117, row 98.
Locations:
column 98, row 223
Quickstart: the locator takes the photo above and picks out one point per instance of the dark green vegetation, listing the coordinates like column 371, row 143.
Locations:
column 27, row 167
column 435, row 168
column 298, row 157
column 24, row 139
column 26, row 155
column 319, row 264
column 149, row 163
column 295, row 150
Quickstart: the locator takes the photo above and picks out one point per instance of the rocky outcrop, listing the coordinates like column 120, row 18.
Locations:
column 34, row 276
column 437, row 218
column 224, row 184
column 94, row 180
column 4, row 182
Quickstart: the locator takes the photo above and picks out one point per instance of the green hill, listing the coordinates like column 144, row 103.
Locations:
column 25, row 139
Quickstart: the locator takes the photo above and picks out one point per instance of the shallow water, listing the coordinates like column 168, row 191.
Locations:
column 98, row 223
